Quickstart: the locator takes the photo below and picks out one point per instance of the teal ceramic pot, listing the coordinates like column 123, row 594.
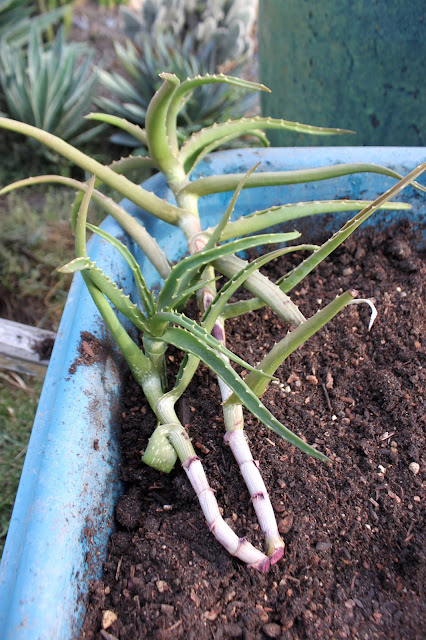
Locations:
column 353, row 64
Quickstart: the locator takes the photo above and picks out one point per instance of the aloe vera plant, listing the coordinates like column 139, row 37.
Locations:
column 161, row 318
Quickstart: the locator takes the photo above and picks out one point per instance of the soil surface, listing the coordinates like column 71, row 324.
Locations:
column 354, row 564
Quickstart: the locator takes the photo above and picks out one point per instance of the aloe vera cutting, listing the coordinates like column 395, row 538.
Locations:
column 160, row 317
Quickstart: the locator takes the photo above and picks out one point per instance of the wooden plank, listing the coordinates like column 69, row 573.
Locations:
column 25, row 349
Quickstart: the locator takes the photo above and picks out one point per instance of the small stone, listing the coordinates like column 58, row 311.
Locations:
column 286, row 524
column 272, row 630
column 323, row 546
column 414, row 468
column 108, row 618
column 167, row 609
column 348, row 271
column 162, row 586
column 329, row 382
column 312, row 379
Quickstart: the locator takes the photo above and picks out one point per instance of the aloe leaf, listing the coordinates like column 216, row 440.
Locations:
column 142, row 198
column 187, row 86
column 301, row 271
column 78, row 264
column 291, row 342
column 257, row 133
column 185, row 270
column 260, row 220
column 218, row 229
column 131, row 162
column 261, row 286
column 190, row 344
column 106, row 286
column 96, row 275
column 295, row 276
column 220, row 184
column 80, row 227
column 155, row 123
column 181, row 300
column 218, row 304
column 162, row 319
column 144, row 293
column 191, row 149
column 137, row 361
column 134, row 130
column 209, row 148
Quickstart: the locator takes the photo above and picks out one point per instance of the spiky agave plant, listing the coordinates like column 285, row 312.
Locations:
column 161, row 318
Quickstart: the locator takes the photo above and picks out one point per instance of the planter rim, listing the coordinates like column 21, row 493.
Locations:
column 63, row 512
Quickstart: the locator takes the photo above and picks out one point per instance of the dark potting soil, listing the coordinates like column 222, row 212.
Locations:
column 354, row 564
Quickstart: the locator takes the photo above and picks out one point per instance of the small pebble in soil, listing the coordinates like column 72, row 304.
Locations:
column 272, row 630
column 162, row 586
column 414, row 468
column 286, row 524
column 108, row 618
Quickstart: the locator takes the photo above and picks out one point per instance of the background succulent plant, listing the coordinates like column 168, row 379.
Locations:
column 190, row 38
column 18, row 16
column 215, row 30
column 49, row 85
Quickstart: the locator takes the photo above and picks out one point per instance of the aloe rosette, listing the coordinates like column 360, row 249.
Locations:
column 161, row 318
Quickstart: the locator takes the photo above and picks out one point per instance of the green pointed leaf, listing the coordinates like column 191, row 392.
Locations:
column 142, row 198
column 216, row 307
column 218, row 229
column 183, row 91
column 183, row 273
column 78, row 264
column 190, row 344
column 301, row 271
column 137, row 361
column 143, row 291
column 191, row 149
column 260, row 220
column 219, row 184
column 280, row 352
column 163, row 318
column 131, row 162
column 119, row 299
column 155, row 123
column 134, row 130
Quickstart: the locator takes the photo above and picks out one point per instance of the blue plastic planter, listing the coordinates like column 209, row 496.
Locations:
column 64, row 507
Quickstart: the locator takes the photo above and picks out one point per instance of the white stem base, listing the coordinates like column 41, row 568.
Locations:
column 238, row 547
column 258, row 493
